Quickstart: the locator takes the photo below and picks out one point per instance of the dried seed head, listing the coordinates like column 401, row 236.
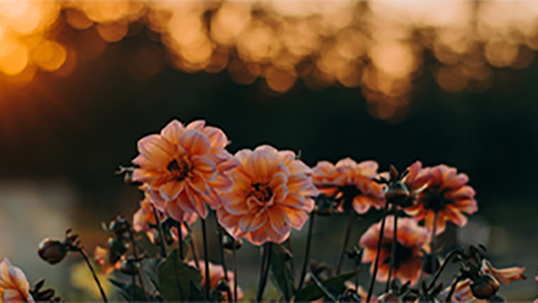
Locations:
column 484, row 286
column 52, row 251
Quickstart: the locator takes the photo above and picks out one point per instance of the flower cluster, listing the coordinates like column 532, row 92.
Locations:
column 260, row 195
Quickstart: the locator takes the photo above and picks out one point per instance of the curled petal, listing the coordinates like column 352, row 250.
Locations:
column 252, row 221
column 156, row 149
column 279, row 220
column 195, row 142
column 173, row 131
column 506, row 275
column 205, row 166
column 171, row 190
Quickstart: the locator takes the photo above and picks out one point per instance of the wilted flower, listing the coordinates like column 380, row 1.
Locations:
column 464, row 293
column 270, row 195
column 447, row 195
column 216, row 274
column 412, row 239
column 13, row 284
column 349, row 180
column 187, row 165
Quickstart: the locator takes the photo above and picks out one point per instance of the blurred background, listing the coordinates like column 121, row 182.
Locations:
column 449, row 82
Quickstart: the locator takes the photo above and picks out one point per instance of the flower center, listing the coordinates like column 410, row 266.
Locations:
column 403, row 254
column 179, row 168
column 262, row 192
column 435, row 200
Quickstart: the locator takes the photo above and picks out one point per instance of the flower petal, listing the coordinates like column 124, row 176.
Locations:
column 279, row 220
column 252, row 221
column 173, row 131
column 195, row 142
column 205, row 166
column 156, row 149
column 171, row 190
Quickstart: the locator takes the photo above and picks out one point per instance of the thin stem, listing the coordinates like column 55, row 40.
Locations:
column 432, row 247
column 206, row 258
column 135, row 255
column 134, row 288
column 357, row 264
column 376, row 263
column 180, row 241
column 83, row 253
column 452, row 289
column 346, row 240
column 266, row 263
column 158, row 222
column 393, row 249
column 223, row 260
column 193, row 247
column 440, row 270
column 292, row 265
column 307, row 252
column 234, row 256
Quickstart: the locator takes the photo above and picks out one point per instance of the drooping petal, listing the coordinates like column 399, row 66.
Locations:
column 252, row 221
column 199, row 184
column 205, row 166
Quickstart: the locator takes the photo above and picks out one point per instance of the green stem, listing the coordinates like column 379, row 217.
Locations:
column 440, row 270
column 307, row 253
column 393, row 249
column 223, row 260
column 376, row 263
column 90, row 266
column 264, row 272
column 158, row 222
column 135, row 255
column 346, row 240
column 432, row 247
column 206, row 258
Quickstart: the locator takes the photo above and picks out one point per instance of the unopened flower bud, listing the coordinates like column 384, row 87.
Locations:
column 129, row 267
column 484, row 287
column 52, row 251
column 228, row 242
column 396, row 193
column 116, row 249
column 118, row 226
column 388, row 297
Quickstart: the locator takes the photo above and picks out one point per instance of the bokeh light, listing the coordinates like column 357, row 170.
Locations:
column 378, row 45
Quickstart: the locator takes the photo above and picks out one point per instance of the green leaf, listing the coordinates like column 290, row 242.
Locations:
column 126, row 291
column 196, row 294
column 313, row 292
column 149, row 268
column 175, row 278
column 281, row 273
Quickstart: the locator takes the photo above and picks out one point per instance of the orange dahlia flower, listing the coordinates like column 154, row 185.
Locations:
column 447, row 195
column 145, row 216
column 13, row 284
column 463, row 292
column 270, row 195
column 346, row 180
column 216, row 274
column 187, row 165
column 412, row 240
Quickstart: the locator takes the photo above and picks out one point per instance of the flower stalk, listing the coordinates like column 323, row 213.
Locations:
column 264, row 271
column 307, row 252
column 206, row 257
column 346, row 240
column 393, row 249
column 90, row 266
column 376, row 263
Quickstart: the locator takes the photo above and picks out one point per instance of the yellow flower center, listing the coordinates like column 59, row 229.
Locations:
column 262, row 192
column 179, row 168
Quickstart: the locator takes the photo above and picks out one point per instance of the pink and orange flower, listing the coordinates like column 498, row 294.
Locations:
column 187, row 166
column 14, row 286
column 271, row 193
column 145, row 216
column 412, row 240
column 349, row 180
column 447, row 195
column 216, row 274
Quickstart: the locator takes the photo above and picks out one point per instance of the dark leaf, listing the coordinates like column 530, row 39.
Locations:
column 196, row 294
column 175, row 279
column 280, row 272
column 149, row 268
column 334, row 285
column 126, row 291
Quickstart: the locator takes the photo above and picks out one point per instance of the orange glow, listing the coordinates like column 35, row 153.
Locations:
column 376, row 45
